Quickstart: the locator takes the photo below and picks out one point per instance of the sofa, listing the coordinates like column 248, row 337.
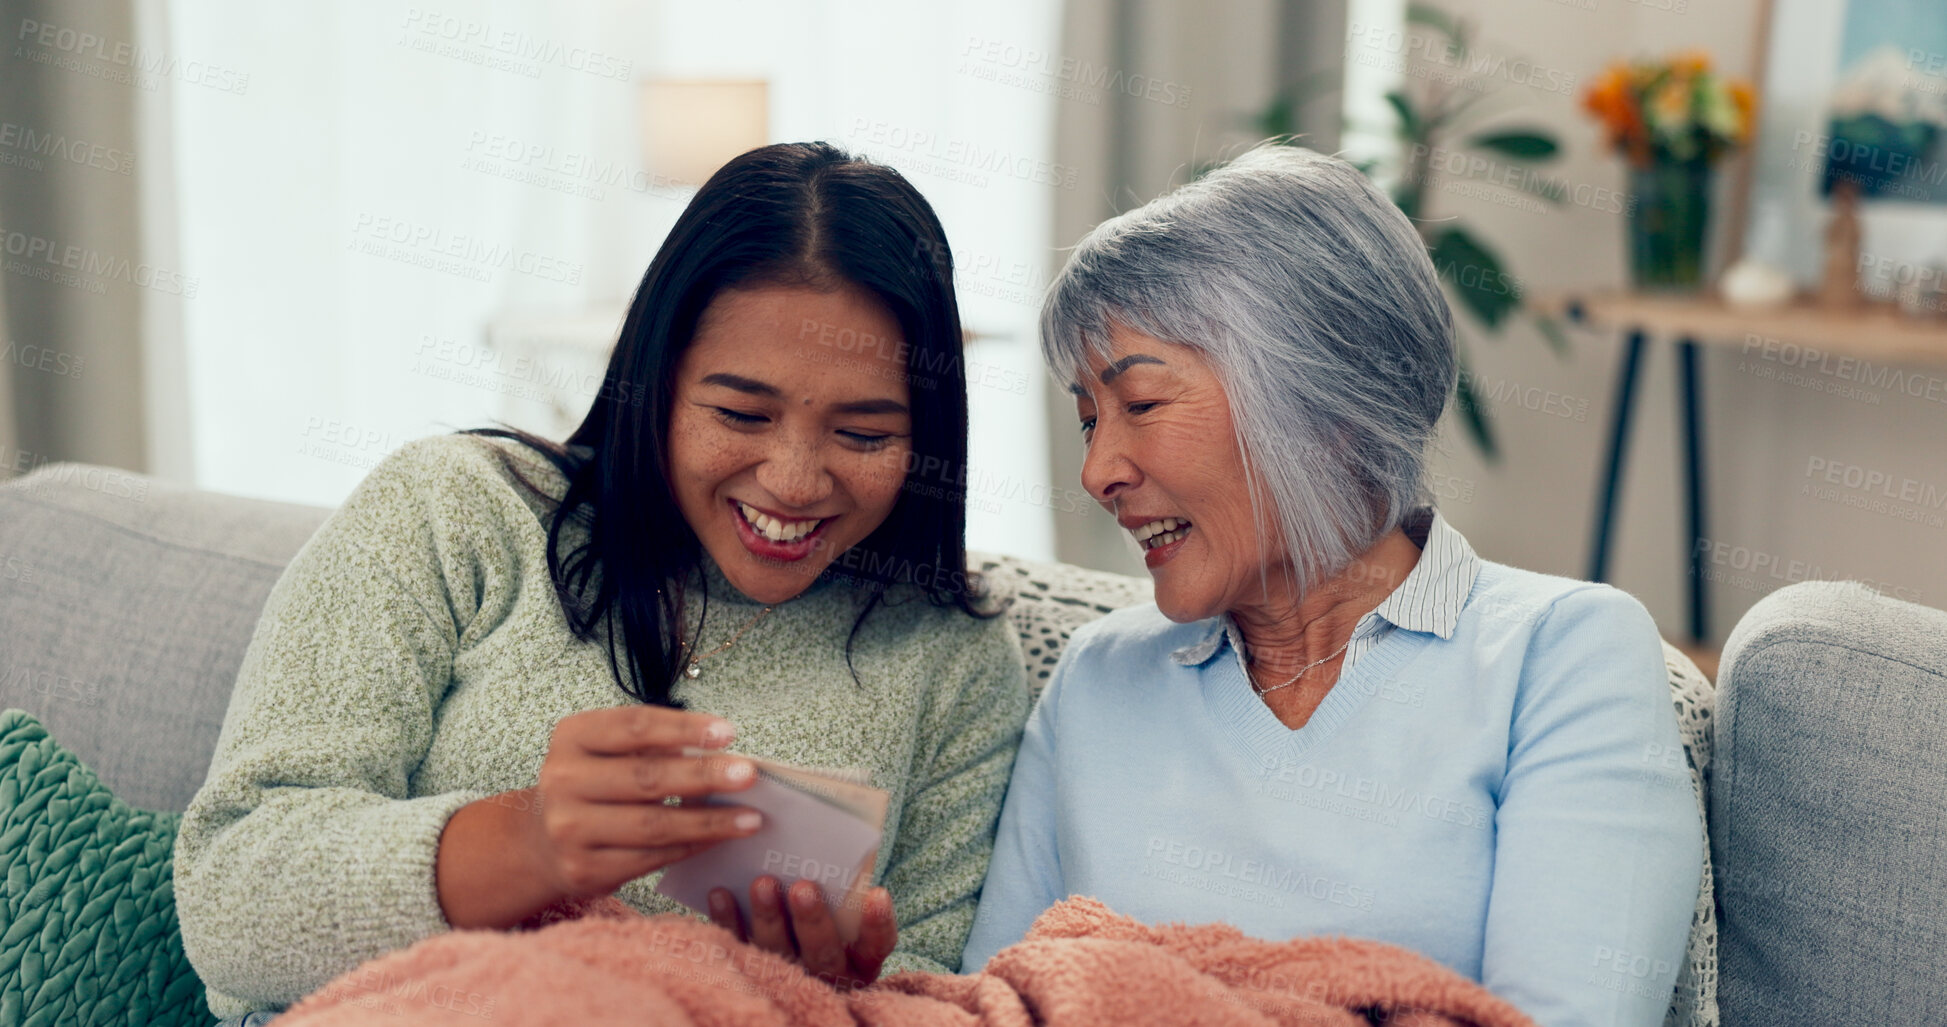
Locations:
column 126, row 604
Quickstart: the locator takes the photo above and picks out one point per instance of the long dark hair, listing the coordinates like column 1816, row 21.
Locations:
column 790, row 214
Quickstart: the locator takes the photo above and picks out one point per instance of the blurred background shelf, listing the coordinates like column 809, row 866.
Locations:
column 1873, row 332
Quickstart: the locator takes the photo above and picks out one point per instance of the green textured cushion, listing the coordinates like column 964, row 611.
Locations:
column 90, row 931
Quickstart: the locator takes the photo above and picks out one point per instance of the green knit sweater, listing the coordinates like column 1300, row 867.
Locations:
column 413, row 658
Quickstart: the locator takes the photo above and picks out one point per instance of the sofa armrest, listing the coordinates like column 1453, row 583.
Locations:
column 1828, row 810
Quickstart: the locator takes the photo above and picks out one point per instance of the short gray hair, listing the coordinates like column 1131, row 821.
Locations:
column 1312, row 297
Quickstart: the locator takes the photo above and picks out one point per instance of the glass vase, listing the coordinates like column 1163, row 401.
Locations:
column 1666, row 233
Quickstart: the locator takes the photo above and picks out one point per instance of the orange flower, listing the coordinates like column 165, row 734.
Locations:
column 1747, row 104
column 1672, row 101
column 1614, row 100
column 1690, row 63
column 1682, row 95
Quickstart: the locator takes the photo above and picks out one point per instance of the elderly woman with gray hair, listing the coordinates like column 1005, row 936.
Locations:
column 1335, row 718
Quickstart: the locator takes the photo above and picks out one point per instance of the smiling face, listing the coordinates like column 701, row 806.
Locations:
column 1163, row 459
column 790, row 431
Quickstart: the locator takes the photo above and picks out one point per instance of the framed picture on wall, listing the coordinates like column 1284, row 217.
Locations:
column 1854, row 98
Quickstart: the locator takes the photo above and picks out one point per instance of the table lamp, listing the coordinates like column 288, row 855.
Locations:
column 692, row 127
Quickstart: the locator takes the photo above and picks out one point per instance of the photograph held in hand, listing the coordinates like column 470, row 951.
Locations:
column 820, row 826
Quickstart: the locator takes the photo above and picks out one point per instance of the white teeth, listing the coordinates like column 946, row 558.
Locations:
column 1159, row 541
column 774, row 529
column 1157, row 527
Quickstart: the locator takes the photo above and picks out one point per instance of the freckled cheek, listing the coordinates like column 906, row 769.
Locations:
column 702, row 456
column 878, row 480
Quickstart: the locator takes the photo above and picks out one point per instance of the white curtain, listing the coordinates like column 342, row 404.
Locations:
column 75, row 276
column 362, row 187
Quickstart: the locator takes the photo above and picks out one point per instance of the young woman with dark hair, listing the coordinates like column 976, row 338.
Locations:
column 480, row 690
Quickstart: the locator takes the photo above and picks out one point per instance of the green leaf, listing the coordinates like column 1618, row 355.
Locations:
column 1551, row 330
column 1409, row 122
column 1433, row 18
column 1473, row 413
column 1518, row 145
column 1474, row 272
column 1278, row 119
column 1440, row 21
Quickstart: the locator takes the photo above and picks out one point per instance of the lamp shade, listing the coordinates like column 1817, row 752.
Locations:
column 692, row 127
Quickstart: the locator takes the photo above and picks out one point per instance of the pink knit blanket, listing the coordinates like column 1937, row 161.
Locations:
column 1081, row 965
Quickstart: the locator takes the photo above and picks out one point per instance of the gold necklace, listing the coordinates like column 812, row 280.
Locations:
column 1301, row 671
column 695, row 668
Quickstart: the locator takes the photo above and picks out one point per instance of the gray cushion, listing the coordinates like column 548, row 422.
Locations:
column 1828, row 810
column 125, row 607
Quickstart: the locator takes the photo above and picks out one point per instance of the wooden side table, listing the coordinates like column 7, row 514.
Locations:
column 1872, row 333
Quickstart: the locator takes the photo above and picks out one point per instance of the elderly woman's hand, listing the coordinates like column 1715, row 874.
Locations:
column 802, row 928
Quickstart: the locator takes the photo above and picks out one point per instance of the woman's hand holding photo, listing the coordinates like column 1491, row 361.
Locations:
column 598, row 817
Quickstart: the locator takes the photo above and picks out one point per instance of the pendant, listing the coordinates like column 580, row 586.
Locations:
column 693, row 672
